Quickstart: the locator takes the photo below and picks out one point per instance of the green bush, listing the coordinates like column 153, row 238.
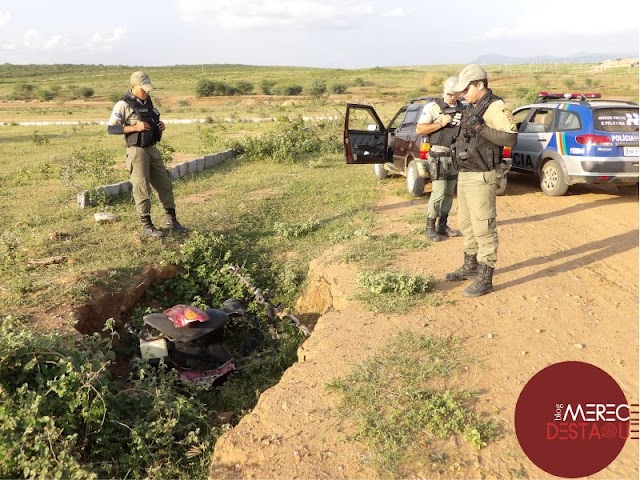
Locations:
column 397, row 283
column 339, row 88
column 39, row 138
column 87, row 168
column 62, row 414
column 288, row 90
column 23, row 91
column 48, row 95
column 318, row 88
column 87, row 92
column 266, row 86
column 244, row 88
column 209, row 88
column 213, row 88
column 291, row 141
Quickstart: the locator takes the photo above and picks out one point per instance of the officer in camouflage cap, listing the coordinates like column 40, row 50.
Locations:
column 135, row 117
column 486, row 126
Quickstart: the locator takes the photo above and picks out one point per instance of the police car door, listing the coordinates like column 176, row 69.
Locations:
column 534, row 134
column 365, row 136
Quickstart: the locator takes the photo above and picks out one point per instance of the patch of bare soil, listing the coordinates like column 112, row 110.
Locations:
column 566, row 288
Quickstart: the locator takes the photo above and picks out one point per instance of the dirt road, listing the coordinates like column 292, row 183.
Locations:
column 566, row 288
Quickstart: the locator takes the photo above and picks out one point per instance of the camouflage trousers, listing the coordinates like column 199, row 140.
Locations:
column 477, row 215
column 441, row 197
column 147, row 170
column 444, row 177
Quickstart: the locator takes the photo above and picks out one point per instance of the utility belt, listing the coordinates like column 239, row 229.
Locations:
column 441, row 166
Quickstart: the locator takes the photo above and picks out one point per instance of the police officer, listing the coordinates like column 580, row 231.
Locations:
column 486, row 126
column 135, row 117
column 439, row 126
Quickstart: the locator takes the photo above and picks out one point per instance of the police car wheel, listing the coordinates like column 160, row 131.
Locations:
column 502, row 186
column 415, row 183
column 552, row 180
column 379, row 171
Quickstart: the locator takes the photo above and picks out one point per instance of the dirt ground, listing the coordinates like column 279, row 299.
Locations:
column 566, row 288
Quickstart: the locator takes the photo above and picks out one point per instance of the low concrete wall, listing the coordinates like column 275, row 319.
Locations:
column 87, row 198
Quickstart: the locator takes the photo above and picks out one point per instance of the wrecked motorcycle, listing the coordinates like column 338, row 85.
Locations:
column 188, row 339
column 191, row 340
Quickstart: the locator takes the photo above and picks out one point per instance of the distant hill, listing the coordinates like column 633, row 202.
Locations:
column 496, row 59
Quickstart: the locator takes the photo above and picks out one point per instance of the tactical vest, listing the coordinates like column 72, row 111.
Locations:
column 443, row 136
column 474, row 152
column 146, row 113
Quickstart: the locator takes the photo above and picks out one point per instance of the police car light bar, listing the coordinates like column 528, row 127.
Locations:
column 568, row 96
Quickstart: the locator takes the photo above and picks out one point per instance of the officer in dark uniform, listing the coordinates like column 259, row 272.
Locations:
column 135, row 117
column 487, row 126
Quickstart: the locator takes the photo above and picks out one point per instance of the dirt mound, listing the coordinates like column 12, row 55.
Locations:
column 566, row 288
column 104, row 304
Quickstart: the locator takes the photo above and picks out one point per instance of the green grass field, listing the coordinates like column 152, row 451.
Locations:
column 41, row 174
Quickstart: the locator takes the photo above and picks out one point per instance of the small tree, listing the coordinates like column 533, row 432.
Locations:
column 266, row 86
column 318, row 88
column 339, row 88
column 245, row 88
column 290, row 90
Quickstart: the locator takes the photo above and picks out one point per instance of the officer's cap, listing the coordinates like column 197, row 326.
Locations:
column 141, row 79
column 449, row 85
column 468, row 74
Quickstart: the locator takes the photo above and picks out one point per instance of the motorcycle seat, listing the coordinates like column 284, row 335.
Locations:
column 194, row 330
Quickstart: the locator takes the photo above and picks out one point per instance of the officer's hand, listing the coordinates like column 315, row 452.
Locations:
column 161, row 126
column 457, row 118
column 142, row 126
column 474, row 123
column 444, row 120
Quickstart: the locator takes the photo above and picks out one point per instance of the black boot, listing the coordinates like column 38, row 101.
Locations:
column 482, row 284
column 443, row 228
column 431, row 230
column 148, row 228
column 468, row 269
column 172, row 222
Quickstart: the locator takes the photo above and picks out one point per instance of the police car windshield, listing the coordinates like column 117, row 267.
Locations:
column 616, row 119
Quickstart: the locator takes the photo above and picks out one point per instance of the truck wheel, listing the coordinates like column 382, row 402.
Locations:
column 379, row 171
column 415, row 183
column 502, row 186
column 628, row 189
column 552, row 179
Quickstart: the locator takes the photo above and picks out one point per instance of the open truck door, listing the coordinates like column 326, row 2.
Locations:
column 365, row 136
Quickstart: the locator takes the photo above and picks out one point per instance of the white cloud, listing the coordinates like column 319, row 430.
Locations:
column 397, row 12
column 5, row 17
column 53, row 42
column 244, row 14
column 100, row 42
column 575, row 23
column 33, row 40
column 117, row 34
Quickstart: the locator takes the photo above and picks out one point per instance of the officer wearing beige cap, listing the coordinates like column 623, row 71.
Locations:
column 439, row 127
column 486, row 126
column 135, row 117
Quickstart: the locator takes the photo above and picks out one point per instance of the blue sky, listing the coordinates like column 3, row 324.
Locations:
column 318, row 33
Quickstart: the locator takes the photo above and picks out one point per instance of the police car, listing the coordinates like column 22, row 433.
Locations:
column 577, row 138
